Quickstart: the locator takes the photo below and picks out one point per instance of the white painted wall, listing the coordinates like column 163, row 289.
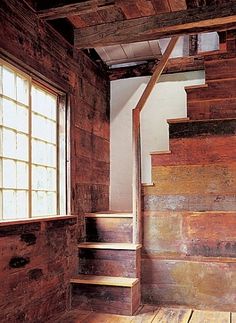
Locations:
column 167, row 101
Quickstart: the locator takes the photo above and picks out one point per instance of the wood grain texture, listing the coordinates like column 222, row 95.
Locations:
column 206, row 234
column 109, row 299
column 197, row 284
column 214, row 17
column 215, row 109
column 172, row 315
column 109, row 229
column 39, row 50
column 198, row 151
column 217, row 89
column 220, row 69
column 48, row 249
column 206, row 316
column 198, row 128
column 117, row 263
column 186, row 202
column 193, row 179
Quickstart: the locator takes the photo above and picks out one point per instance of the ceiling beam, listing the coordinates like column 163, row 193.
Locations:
column 191, row 21
column 174, row 65
column 75, row 9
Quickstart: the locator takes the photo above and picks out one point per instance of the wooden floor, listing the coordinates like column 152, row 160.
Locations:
column 150, row 314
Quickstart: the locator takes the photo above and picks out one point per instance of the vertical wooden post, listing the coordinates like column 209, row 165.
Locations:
column 136, row 190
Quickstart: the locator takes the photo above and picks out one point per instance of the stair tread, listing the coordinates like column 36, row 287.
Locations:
column 160, row 152
column 200, row 120
column 107, row 214
column 177, row 120
column 107, row 245
column 104, row 280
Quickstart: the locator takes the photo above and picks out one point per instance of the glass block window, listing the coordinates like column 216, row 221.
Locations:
column 32, row 151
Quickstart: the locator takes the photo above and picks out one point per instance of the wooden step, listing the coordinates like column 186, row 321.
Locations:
column 109, row 228
column 195, row 128
column 110, row 259
column 118, row 295
column 106, row 245
column 163, row 152
column 177, row 120
column 104, row 280
column 194, row 87
column 109, row 214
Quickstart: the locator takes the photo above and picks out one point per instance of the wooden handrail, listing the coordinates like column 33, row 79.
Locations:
column 136, row 141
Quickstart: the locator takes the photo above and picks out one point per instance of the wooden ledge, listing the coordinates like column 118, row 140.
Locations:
column 177, row 120
column 182, row 257
column 39, row 219
column 163, row 152
column 109, row 214
column 147, row 184
column 105, row 280
column 105, row 245
column 194, row 87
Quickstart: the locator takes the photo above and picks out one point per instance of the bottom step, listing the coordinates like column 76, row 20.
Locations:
column 117, row 295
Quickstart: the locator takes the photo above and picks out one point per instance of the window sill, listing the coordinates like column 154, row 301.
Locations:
column 33, row 220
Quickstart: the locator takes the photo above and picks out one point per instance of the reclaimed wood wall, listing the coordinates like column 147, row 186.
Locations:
column 34, row 46
column 37, row 262
column 189, row 254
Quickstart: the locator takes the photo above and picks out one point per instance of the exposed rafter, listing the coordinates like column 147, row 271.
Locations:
column 191, row 21
column 174, row 65
column 71, row 9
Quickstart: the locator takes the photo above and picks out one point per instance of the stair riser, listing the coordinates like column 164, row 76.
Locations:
column 108, row 299
column 219, row 89
column 220, row 69
column 204, row 150
column 212, row 109
column 109, row 230
column 119, row 263
column 206, row 234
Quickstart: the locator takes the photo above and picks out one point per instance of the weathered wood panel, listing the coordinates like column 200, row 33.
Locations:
column 198, row 151
column 213, row 17
column 207, row 234
column 217, row 89
column 193, row 179
column 174, row 315
column 37, row 260
column 109, row 299
column 186, row 202
column 116, row 263
column 192, row 283
column 215, row 109
column 198, row 128
column 109, row 229
column 40, row 287
column 206, row 316
column 220, row 69
column 37, row 47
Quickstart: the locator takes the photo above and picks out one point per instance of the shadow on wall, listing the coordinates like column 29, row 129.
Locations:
column 168, row 100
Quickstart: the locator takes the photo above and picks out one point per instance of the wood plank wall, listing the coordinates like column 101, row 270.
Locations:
column 37, row 262
column 189, row 254
column 33, row 44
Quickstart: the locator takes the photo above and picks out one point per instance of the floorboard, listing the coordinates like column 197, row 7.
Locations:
column 210, row 317
column 149, row 314
column 175, row 315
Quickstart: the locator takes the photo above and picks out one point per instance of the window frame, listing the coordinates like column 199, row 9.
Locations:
column 62, row 178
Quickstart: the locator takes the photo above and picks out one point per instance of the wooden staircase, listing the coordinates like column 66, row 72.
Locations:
column 190, row 210
column 188, row 214
column 108, row 277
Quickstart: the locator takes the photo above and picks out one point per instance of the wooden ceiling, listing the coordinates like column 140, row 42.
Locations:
column 112, row 26
column 89, row 13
